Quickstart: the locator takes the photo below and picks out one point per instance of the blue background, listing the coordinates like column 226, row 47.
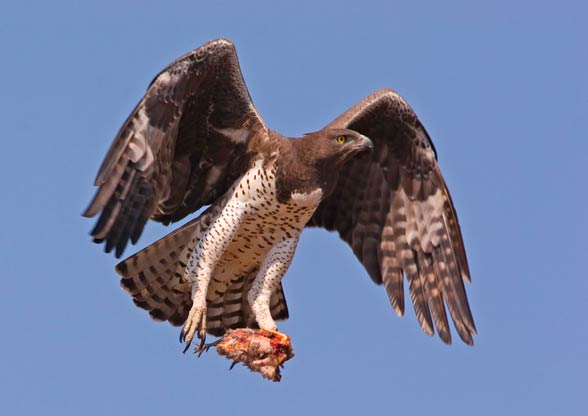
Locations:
column 502, row 88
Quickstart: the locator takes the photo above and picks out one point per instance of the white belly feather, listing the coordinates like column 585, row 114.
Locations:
column 264, row 224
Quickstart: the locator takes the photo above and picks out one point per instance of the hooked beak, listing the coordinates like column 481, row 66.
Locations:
column 365, row 143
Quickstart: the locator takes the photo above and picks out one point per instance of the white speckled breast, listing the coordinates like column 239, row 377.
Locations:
column 266, row 223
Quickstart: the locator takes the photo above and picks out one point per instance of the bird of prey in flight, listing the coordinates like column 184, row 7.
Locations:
column 195, row 140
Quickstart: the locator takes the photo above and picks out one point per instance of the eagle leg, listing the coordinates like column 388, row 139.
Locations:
column 202, row 263
column 270, row 275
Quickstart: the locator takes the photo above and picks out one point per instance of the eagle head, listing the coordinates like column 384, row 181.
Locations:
column 317, row 160
column 323, row 155
column 333, row 148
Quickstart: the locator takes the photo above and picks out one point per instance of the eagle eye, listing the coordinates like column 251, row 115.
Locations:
column 341, row 139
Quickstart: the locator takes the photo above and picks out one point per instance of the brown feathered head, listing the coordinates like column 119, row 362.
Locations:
column 332, row 148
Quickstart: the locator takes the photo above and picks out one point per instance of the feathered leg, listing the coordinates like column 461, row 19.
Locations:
column 270, row 275
column 202, row 262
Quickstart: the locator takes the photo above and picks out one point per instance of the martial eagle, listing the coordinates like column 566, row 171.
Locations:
column 196, row 140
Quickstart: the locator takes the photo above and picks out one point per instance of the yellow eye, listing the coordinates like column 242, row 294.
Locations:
column 341, row 139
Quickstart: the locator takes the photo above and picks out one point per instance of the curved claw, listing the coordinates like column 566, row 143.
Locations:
column 204, row 348
column 202, row 341
column 187, row 346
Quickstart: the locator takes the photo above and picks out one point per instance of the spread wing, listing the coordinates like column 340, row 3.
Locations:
column 393, row 208
column 182, row 147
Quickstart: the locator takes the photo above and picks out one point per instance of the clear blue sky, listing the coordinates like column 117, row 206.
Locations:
column 502, row 87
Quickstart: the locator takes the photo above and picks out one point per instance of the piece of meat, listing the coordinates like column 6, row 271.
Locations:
column 260, row 350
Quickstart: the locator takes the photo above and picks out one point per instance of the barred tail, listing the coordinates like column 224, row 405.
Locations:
column 154, row 277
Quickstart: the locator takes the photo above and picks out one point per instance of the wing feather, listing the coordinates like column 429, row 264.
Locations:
column 394, row 210
column 171, row 156
column 390, row 267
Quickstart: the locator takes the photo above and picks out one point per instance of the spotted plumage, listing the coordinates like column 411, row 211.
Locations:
column 195, row 139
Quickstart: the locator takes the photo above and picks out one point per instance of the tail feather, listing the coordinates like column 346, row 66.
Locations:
column 278, row 305
column 154, row 277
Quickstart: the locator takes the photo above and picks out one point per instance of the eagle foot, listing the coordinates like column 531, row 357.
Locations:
column 196, row 322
